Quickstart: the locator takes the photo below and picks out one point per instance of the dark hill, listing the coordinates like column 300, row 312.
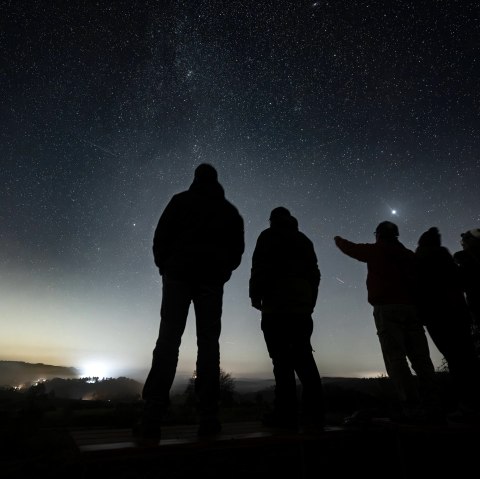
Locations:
column 15, row 373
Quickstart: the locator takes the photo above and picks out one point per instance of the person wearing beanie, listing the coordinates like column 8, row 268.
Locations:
column 444, row 312
column 284, row 285
column 198, row 243
column 391, row 287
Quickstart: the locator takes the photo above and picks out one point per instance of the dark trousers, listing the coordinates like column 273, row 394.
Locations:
column 207, row 302
column 402, row 338
column 287, row 337
column 451, row 333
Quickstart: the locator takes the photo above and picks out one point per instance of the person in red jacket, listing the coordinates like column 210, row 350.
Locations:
column 391, row 286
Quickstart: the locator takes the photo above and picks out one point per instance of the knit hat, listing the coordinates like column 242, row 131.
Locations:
column 472, row 234
column 431, row 238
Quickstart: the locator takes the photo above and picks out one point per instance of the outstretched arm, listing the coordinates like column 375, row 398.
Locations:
column 358, row 251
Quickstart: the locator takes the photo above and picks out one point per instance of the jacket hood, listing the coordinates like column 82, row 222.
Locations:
column 209, row 188
column 288, row 223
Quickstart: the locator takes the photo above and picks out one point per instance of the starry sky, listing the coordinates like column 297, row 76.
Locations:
column 346, row 112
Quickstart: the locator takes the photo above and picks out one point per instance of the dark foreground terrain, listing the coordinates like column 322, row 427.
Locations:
column 42, row 435
column 377, row 449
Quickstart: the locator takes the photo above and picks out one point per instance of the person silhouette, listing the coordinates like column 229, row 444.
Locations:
column 444, row 312
column 391, row 279
column 284, row 285
column 198, row 243
column 468, row 260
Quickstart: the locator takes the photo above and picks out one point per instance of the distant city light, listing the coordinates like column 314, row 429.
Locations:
column 96, row 369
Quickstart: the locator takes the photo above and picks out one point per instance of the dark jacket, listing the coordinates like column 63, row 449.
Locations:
column 440, row 288
column 469, row 267
column 200, row 235
column 284, row 274
column 391, row 276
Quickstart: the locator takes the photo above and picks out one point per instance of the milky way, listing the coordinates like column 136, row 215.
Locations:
column 347, row 113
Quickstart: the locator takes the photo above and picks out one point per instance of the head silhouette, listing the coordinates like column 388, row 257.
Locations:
column 430, row 239
column 280, row 213
column 206, row 173
column 386, row 230
column 471, row 239
column 281, row 217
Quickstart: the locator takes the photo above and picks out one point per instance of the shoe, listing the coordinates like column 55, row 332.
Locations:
column 147, row 434
column 209, row 427
column 464, row 416
column 147, row 431
column 420, row 416
column 280, row 421
column 313, row 424
column 360, row 418
column 313, row 429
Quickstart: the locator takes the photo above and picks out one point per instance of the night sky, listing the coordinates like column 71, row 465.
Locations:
column 348, row 113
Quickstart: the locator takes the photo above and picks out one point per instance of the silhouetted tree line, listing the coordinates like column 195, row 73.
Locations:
column 115, row 402
column 96, row 389
column 89, row 388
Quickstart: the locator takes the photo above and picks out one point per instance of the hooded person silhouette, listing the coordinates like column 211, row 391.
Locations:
column 284, row 287
column 198, row 243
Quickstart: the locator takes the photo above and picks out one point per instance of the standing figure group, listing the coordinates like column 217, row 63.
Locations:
column 199, row 242
column 391, row 281
column 427, row 288
column 446, row 316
